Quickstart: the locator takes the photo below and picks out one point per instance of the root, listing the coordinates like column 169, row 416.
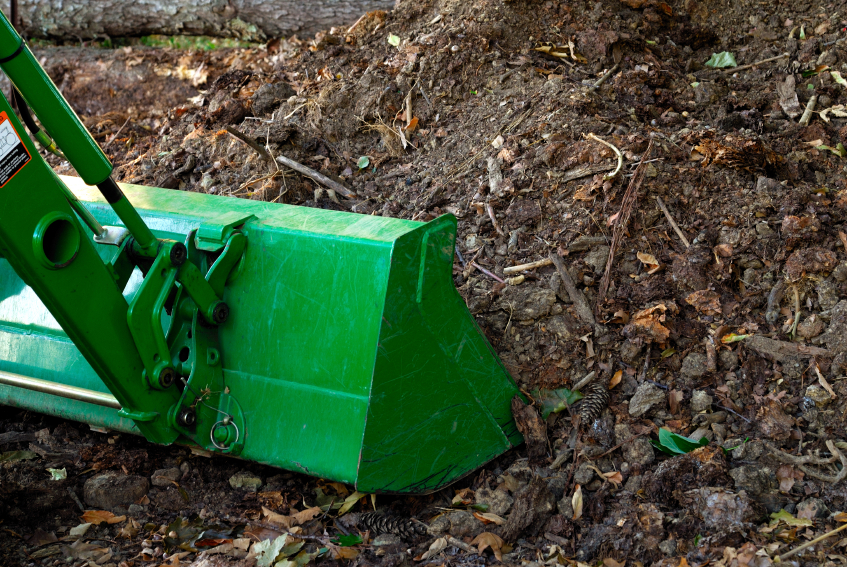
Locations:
column 815, row 459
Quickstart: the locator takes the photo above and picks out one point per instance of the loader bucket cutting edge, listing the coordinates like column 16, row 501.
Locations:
column 348, row 350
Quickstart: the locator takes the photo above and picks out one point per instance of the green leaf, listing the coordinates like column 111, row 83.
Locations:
column 783, row 516
column 11, row 456
column 803, row 32
column 695, row 84
column 733, row 338
column 58, row 474
column 838, row 78
column 480, row 507
column 726, row 450
column 668, row 352
column 393, row 39
column 554, row 401
column 837, row 150
column 674, row 444
column 347, row 540
column 266, row 551
column 722, row 60
column 649, row 42
column 363, row 162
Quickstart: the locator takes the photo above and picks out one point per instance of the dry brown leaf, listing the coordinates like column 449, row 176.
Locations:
column 616, row 379
column 723, row 250
column 609, row 562
column 489, row 518
column 705, row 301
column 490, row 540
column 275, row 518
column 683, row 562
column 619, row 317
column 576, row 502
column 344, row 552
column 435, row 548
column 674, row 397
column 305, row 516
column 786, row 474
column 648, row 323
column 649, row 262
column 100, row 516
column 615, row 477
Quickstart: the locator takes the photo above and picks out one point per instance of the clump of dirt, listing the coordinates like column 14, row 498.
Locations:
column 715, row 290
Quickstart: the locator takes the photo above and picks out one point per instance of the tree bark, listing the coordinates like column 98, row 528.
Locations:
column 247, row 19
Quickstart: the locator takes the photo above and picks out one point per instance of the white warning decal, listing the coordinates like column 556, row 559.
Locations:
column 13, row 153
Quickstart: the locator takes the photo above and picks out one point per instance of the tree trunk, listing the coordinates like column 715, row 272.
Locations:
column 246, row 19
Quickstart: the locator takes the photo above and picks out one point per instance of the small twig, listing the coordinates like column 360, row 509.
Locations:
column 250, row 142
column 796, row 312
column 351, row 28
column 711, row 354
column 460, row 544
column 756, row 64
column 423, row 92
column 735, row 412
column 531, row 266
column 76, row 499
column 276, row 528
column 630, row 197
column 583, row 309
column 604, row 78
column 316, row 176
column 807, row 114
column 815, row 460
column 585, row 381
column 800, row 548
column 616, row 447
column 487, row 273
column 646, row 366
column 673, row 222
column 490, row 211
column 113, row 138
column 617, row 153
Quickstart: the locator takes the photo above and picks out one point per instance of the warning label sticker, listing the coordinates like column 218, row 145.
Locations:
column 13, row 152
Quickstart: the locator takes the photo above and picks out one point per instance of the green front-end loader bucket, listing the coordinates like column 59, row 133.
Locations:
column 348, row 352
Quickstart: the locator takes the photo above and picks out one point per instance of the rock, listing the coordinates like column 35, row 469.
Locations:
column 269, row 96
column 526, row 302
column 136, row 510
column 533, row 506
column 564, row 326
column 818, row 395
column 721, row 509
column 111, row 489
column 700, row 401
column 165, row 477
column 646, row 397
column 755, row 479
column 246, row 480
column 458, row 523
column 638, row 451
column 565, row 506
column 812, row 509
column 728, row 360
column 584, row 474
column 840, row 272
column 386, row 539
column 835, row 336
column 828, row 293
column 498, row 501
column 694, row 367
column 763, row 230
column 597, row 258
column 523, row 211
column 668, row 547
column 630, row 351
column 702, row 467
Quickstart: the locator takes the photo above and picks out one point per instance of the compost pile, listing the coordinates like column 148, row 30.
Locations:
column 698, row 291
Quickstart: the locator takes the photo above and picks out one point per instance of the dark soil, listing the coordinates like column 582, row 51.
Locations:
column 498, row 139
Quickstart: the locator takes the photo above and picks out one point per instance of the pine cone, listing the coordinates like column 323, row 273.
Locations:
column 595, row 401
column 377, row 523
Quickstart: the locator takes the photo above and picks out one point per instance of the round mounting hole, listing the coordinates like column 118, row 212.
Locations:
column 56, row 241
column 184, row 353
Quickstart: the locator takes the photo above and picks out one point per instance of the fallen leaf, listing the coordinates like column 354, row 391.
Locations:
column 732, row 338
column 576, row 502
column 705, row 301
column 39, row 537
column 435, row 548
column 489, row 518
column 616, row 379
column 786, row 474
column 489, row 540
column 783, row 516
column 615, row 477
column 619, row 317
column 58, row 474
column 721, row 60
column 266, row 551
column 393, row 40
column 648, row 323
column 309, row 514
column 723, row 250
column 100, row 516
column 674, row 397
column 649, row 262
column 275, row 518
column 609, row 562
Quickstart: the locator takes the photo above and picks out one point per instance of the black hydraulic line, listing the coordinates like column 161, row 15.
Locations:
column 26, row 115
